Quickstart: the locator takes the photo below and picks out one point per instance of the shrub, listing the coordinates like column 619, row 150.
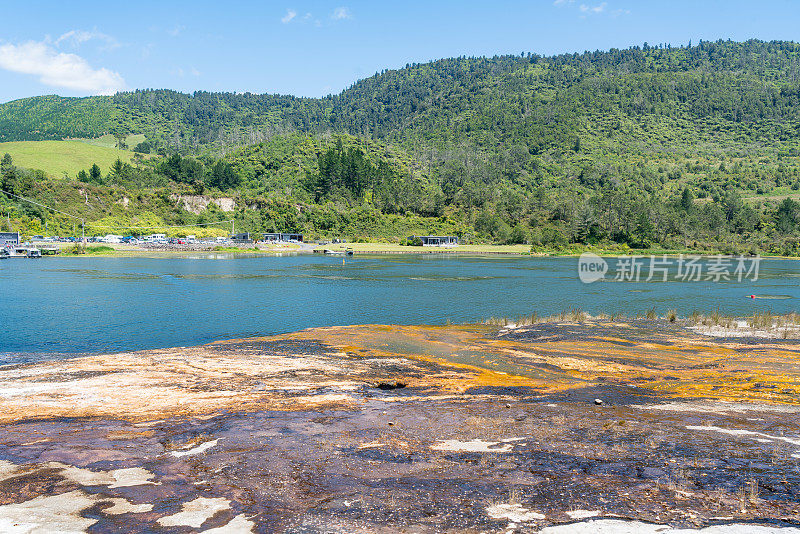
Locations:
column 142, row 148
column 518, row 235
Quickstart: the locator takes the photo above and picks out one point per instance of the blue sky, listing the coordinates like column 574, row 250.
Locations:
column 316, row 47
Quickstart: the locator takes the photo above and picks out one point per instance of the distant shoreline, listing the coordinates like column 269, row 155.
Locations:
column 365, row 249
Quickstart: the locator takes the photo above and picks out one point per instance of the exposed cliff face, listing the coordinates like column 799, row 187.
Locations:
column 374, row 428
column 198, row 203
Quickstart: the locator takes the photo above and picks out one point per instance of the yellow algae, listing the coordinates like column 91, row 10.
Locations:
column 125, row 435
column 569, row 363
column 330, row 365
column 157, row 384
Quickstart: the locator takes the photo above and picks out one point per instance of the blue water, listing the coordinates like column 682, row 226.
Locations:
column 53, row 306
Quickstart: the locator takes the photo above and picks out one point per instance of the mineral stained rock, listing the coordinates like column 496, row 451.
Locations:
column 411, row 429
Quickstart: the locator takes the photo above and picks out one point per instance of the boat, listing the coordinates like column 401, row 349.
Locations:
column 334, row 252
column 4, row 255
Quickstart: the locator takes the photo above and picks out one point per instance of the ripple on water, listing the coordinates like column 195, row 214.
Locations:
column 108, row 275
column 454, row 278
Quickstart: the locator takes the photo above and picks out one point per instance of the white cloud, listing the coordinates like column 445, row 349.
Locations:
column 338, row 14
column 59, row 69
column 194, row 71
column 586, row 10
column 146, row 50
column 341, row 13
column 289, row 16
column 177, row 30
column 76, row 38
column 593, row 9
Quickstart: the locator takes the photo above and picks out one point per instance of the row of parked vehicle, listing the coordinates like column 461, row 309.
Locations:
column 54, row 239
column 161, row 239
column 155, row 239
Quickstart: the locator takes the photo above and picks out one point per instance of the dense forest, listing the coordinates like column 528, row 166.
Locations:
column 653, row 146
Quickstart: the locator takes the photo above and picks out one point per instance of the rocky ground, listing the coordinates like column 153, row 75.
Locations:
column 559, row 427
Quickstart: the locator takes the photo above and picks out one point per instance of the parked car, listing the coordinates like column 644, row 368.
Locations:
column 111, row 238
column 156, row 238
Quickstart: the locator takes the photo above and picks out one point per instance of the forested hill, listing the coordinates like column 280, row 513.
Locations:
column 737, row 91
column 693, row 147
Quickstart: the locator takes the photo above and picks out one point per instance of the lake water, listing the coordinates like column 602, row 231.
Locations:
column 57, row 306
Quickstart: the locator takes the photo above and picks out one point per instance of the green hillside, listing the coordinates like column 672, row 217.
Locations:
column 682, row 147
column 54, row 117
column 59, row 158
column 730, row 91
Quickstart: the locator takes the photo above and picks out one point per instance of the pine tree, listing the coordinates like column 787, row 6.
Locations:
column 687, row 199
column 95, row 175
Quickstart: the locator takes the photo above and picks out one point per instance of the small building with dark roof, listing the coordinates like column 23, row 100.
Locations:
column 241, row 238
column 435, row 240
column 9, row 238
column 283, row 238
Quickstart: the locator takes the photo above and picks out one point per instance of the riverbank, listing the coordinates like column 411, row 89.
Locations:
column 382, row 248
column 474, row 428
column 118, row 249
column 296, row 248
column 520, row 250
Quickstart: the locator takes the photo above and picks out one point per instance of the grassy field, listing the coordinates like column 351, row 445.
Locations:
column 385, row 248
column 777, row 194
column 109, row 141
column 59, row 157
column 574, row 250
